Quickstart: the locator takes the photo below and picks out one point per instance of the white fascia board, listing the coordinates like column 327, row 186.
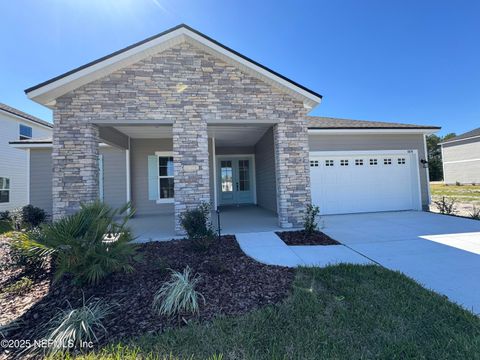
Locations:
column 361, row 152
column 44, row 146
column 47, row 94
column 369, row 131
column 453, row 141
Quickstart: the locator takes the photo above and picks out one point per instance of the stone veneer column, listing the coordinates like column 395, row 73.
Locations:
column 292, row 171
column 191, row 168
column 74, row 162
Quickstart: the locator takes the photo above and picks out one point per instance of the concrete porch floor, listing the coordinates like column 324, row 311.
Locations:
column 233, row 219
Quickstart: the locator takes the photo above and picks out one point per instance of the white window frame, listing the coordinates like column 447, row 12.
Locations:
column 6, row 189
column 160, row 154
column 20, row 132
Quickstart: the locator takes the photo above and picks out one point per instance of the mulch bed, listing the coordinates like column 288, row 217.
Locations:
column 301, row 238
column 231, row 283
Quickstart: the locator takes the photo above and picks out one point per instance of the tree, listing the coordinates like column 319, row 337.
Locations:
column 435, row 155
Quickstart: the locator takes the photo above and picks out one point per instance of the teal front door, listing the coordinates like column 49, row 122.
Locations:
column 235, row 177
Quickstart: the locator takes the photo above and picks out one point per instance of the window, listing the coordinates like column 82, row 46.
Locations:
column 4, row 190
column 358, row 162
column 244, row 174
column 387, row 161
column 226, row 175
column 25, row 132
column 165, row 177
column 328, row 162
column 343, row 162
column 373, row 162
column 401, row 161
column 313, row 163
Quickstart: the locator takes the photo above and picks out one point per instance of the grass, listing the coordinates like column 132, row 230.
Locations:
column 462, row 193
column 5, row 226
column 341, row 312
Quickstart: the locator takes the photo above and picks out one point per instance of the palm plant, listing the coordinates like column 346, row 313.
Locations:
column 178, row 295
column 75, row 326
column 81, row 243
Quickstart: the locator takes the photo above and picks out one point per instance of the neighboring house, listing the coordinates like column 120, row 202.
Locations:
column 14, row 182
column 461, row 158
column 188, row 121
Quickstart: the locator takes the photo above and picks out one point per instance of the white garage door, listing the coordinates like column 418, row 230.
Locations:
column 352, row 182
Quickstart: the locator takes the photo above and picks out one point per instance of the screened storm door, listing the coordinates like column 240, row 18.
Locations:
column 235, row 180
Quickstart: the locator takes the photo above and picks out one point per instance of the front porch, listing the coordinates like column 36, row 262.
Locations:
column 233, row 219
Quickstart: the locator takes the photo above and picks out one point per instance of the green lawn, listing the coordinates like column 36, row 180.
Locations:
column 5, row 226
column 340, row 312
column 463, row 193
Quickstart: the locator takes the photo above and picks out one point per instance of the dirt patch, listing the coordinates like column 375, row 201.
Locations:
column 231, row 283
column 301, row 238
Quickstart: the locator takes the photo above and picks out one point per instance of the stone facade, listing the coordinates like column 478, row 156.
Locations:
column 190, row 87
column 74, row 161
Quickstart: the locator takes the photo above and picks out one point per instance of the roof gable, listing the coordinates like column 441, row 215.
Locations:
column 46, row 92
column 475, row 133
column 24, row 116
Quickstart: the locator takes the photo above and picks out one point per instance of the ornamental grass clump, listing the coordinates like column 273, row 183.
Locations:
column 178, row 295
column 78, row 327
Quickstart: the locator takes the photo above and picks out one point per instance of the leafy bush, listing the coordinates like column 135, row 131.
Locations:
column 5, row 215
column 79, row 245
column 16, row 219
column 178, row 295
column 33, row 216
column 77, row 325
column 198, row 227
column 18, row 287
column 475, row 213
column 23, row 253
column 5, row 226
column 446, row 206
column 310, row 225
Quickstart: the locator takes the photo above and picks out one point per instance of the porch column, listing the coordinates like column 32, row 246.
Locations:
column 74, row 163
column 191, row 169
column 292, row 171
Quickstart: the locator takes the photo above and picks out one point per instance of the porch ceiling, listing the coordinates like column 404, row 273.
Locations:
column 225, row 135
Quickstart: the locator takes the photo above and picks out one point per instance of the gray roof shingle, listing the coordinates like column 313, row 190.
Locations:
column 24, row 115
column 322, row 122
column 468, row 134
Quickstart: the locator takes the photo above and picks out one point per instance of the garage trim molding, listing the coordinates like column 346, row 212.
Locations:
column 412, row 152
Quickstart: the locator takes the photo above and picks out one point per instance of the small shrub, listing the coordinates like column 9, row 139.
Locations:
column 475, row 213
column 18, row 287
column 77, row 325
column 33, row 216
column 198, row 227
column 5, row 226
column 5, row 215
column 24, row 254
column 457, row 183
column 446, row 206
column 16, row 219
column 78, row 246
column 178, row 295
column 310, row 225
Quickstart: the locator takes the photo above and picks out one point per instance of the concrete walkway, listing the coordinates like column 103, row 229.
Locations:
column 268, row 248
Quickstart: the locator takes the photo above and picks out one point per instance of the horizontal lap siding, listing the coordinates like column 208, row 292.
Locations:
column 456, row 168
column 265, row 172
column 114, row 177
column 462, row 150
column 375, row 142
column 41, row 179
column 140, row 149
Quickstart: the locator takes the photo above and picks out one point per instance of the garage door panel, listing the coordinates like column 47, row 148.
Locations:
column 350, row 183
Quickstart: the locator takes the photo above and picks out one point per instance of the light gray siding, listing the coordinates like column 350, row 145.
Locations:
column 41, row 179
column 461, row 162
column 114, row 178
column 265, row 172
column 140, row 149
column 234, row 150
column 375, row 142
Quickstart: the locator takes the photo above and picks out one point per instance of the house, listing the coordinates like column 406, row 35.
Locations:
column 179, row 119
column 14, row 178
column 461, row 158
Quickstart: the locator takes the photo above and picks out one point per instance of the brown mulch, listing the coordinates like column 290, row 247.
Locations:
column 231, row 283
column 301, row 238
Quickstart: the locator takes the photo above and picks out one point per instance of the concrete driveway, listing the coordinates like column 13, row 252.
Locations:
column 440, row 252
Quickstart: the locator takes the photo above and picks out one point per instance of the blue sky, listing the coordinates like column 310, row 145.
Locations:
column 405, row 61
